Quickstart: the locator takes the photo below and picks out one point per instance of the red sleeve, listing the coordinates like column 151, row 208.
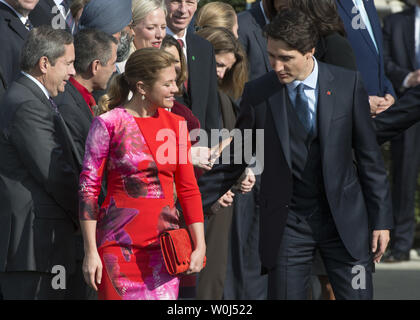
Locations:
column 189, row 195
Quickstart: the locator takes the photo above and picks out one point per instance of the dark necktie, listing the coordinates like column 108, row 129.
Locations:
column 54, row 106
column 302, row 108
column 28, row 25
column 181, row 43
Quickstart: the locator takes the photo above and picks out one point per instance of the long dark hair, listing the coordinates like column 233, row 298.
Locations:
column 323, row 13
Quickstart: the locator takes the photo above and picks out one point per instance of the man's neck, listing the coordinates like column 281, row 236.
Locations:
column 179, row 34
column 84, row 82
column 310, row 69
column 17, row 8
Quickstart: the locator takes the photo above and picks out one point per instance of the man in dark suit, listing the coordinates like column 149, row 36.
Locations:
column 315, row 117
column 14, row 29
column 2, row 84
column 201, row 88
column 365, row 36
column 55, row 13
column 402, row 65
column 96, row 54
column 38, row 176
column 251, row 24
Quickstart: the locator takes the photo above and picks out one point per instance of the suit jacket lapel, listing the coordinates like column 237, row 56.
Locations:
column 193, row 73
column 351, row 12
column 277, row 103
column 326, row 101
column 14, row 22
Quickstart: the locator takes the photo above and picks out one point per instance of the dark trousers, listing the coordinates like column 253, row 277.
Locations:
column 243, row 275
column 405, row 154
column 350, row 279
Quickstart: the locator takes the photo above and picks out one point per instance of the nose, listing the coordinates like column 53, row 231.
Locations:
column 221, row 73
column 277, row 66
column 72, row 71
column 182, row 7
column 158, row 33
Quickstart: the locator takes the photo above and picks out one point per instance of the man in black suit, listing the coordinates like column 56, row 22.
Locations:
column 315, row 117
column 55, row 13
column 96, row 54
column 14, row 29
column 201, row 88
column 2, row 84
column 38, row 176
column 402, row 66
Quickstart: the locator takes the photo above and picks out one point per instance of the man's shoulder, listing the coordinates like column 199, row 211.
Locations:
column 399, row 17
column 263, row 87
column 198, row 41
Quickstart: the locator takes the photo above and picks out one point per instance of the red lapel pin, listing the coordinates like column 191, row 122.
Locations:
column 329, row 92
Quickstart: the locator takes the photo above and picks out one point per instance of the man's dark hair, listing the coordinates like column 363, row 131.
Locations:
column 44, row 41
column 295, row 29
column 91, row 45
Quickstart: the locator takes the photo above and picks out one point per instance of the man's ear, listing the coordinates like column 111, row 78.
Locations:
column 44, row 64
column 94, row 67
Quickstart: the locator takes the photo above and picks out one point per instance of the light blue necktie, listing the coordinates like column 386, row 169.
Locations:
column 365, row 18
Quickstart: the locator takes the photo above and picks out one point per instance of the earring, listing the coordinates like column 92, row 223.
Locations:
column 143, row 97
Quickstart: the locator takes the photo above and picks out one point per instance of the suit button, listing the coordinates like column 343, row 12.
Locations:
column 286, row 206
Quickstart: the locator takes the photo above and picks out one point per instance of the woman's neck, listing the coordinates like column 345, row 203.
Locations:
column 140, row 108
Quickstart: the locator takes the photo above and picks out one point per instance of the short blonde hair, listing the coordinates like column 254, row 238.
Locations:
column 216, row 14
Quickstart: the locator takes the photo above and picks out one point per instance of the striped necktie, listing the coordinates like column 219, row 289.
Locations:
column 69, row 18
column 28, row 25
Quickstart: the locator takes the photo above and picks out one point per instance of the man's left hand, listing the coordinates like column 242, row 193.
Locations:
column 380, row 241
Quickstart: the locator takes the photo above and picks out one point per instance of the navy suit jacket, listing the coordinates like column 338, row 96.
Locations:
column 357, row 193
column 251, row 24
column 399, row 46
column 12, row 37
column 370, row 63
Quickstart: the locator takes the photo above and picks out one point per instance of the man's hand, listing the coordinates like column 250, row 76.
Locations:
column 380, row 241
column 248, row 182
column 413, row 78
column 227, row 199
column 388, row 101
column 375, row 102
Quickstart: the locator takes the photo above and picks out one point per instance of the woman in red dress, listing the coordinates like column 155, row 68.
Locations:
column 142, row 150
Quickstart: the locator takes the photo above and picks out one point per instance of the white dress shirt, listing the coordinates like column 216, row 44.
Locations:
column 184, row 40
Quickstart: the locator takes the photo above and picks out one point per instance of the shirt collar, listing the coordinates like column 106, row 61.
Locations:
column 311, row 81
column 39, row 84
column 87, row 96
column 263, row 12
column 170, row 32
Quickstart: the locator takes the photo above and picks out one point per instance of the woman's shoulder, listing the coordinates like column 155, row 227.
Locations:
column 113, row 115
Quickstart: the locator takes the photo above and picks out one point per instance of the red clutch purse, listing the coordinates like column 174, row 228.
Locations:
column 176, row 246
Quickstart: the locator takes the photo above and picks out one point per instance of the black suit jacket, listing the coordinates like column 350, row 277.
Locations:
column 2, row 84
column 12, row 37
column 202, row 82
column 251, row 24
column 358, row 196
column 39, row 183
column 77, row 116
column 399, row 46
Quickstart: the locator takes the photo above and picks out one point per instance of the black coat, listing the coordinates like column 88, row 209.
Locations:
column 38, row 183
column 12, row 35
column 77, row 116
column 358, row 196
column 251, row 24
column 202, row 82
column 45, row 13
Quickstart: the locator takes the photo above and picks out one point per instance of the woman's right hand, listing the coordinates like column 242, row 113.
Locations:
column 92, row 269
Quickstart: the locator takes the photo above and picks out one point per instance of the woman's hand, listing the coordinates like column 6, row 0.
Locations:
column 197, row 258
column 92, row 269
column 200, row 157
